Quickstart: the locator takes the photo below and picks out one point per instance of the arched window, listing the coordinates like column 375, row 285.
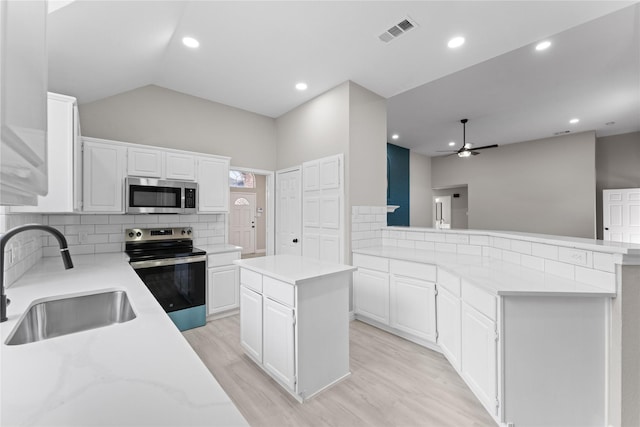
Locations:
column 241, row 201
column 241, row 179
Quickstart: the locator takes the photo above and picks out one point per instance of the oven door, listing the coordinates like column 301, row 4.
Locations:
column 177, row 283
column 147, row 195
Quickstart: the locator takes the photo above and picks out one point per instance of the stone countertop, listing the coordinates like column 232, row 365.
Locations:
column 220, row 249
column 293, row 269
column 495, row 276
column 141, row 372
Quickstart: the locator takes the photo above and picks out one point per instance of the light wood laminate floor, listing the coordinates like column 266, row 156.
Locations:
column 393, row 382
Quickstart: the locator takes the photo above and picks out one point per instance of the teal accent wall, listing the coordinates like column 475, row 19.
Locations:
column 398, row 184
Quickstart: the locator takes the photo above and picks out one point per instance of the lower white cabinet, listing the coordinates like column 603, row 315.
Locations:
column 223, row 282
column 279, row 352
column 251, row 322
column 449, row 329
column 371, row 294
column 413, row 306
column 479, row 356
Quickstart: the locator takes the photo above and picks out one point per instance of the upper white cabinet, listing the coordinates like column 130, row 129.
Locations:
column 213, row 184
column 23, row 85
column 103, row 176
column 180, row 166
column 64, row 158
column 146, row 162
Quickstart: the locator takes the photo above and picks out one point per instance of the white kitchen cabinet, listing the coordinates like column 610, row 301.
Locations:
column 278, row 341
column 213, row 184
column 223, row 282
column 64, row 158
column 479, row 356
column 251, row 322
column 304, row 320
column 145, row 162
column 180, row 166
column 449, row 329
column 371, row 294
column 413, row 306
column 104, row 169
column 23, row 85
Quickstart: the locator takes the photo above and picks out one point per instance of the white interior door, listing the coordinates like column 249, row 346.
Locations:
column 288, row 212
column 621, row 215
column 242, row 221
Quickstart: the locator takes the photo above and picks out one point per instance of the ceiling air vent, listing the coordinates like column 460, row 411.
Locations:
column 397, row 30
column 562, row 132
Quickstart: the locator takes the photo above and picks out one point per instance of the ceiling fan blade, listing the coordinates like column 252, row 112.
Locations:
column 486, row 146
column 447, row 151
column 473, row 153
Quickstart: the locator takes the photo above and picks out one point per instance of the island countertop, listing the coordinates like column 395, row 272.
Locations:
column 141, row 372
column 293, row 269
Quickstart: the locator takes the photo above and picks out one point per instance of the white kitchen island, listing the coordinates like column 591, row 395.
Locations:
column 137, row 373
column 294, row 320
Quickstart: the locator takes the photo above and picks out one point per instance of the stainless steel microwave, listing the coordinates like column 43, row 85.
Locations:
column 149, row 195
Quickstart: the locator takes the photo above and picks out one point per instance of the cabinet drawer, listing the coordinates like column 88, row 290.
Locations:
column 449, row 281
column 251, row 279
column 414, row 269
column 481, row 300
column 278, row 291
column 371, row 262
column 222, row 259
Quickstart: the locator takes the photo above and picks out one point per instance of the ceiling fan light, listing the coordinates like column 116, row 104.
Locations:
column 464, row 153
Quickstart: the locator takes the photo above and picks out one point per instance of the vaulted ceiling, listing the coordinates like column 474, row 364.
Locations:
column 252, row 53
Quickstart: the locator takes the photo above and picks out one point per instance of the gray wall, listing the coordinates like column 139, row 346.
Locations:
column 154, row 115
column 420, row 194
column 617, row 166
column 542, row 186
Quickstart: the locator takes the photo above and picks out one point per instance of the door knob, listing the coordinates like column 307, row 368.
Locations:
column 606, row 228
column 295, row 240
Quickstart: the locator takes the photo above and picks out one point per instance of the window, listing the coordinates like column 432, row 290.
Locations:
column 239, row 179
column 241, row 201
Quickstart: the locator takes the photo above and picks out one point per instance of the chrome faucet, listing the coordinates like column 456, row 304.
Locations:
column 64, row 252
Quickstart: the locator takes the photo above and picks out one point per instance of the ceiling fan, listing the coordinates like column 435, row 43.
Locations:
column 466, row 150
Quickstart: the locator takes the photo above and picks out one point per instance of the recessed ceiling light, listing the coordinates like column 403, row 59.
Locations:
column 190, row 42
column 451, row 144
column 301, row 86
column 543, row 45
column 456, row 42
column 574, row 121
column 395, row 136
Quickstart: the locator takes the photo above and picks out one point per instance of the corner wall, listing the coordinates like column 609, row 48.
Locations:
column 420, row 193
column 543, row 186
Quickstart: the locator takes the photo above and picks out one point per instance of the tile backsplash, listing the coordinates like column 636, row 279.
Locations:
column 89, row 234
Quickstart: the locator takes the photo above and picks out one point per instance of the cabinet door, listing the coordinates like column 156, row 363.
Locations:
column 213, row 185
column 479, row 356
column 279, row 351
column 449, row 326
column 371, row 294
column 144, row 162
column 223, row 289
column 180, row 166
column 103, row 172
column 413, row 306
column 251, row 322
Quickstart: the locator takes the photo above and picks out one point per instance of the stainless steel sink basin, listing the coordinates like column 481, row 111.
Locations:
column 68, row 315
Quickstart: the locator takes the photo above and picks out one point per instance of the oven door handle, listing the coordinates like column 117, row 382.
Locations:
column 169, row 261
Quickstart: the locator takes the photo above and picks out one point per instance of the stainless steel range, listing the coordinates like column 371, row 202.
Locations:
column 173, row 270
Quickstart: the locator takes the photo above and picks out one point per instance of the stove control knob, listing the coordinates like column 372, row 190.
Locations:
column 131, row 234
column 183, row 232
column 138, row 234
column 188, row 231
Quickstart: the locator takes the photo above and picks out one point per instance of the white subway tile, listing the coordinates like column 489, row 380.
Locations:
column 145, row 219
column 121, row 219
column 382, row 219
column 470, row 250
column 532, row 262
column 201, row 217
column 82, row 249
column 559, row 269
column 445, row 247
column 394, row 234
column 495, row 253
column 108, row 229
column 116, row 238
column 598, row 278
column 108, row 247
column 94, row 219
column 456, row 238
column 64, row 219
column 521, row 246
column 426, row 246
column 365, row 210
column 76, row 229
column 97, row 238
column 510, row 256
column 575, row 256
column 544, row 251
column 406, row 244
column 479, row 240
column 500, row 243
column 389, row 242
column 415, row 235
column 486, row 251
column 434, row 237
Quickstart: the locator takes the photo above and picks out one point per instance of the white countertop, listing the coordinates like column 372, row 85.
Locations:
column 220, row 249
column 496, row 276
column 293, row 269
column 142, row 372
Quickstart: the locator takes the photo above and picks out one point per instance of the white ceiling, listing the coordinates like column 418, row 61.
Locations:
column 251, row 55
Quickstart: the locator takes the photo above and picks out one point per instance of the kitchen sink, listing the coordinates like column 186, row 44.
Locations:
column 67, row 315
